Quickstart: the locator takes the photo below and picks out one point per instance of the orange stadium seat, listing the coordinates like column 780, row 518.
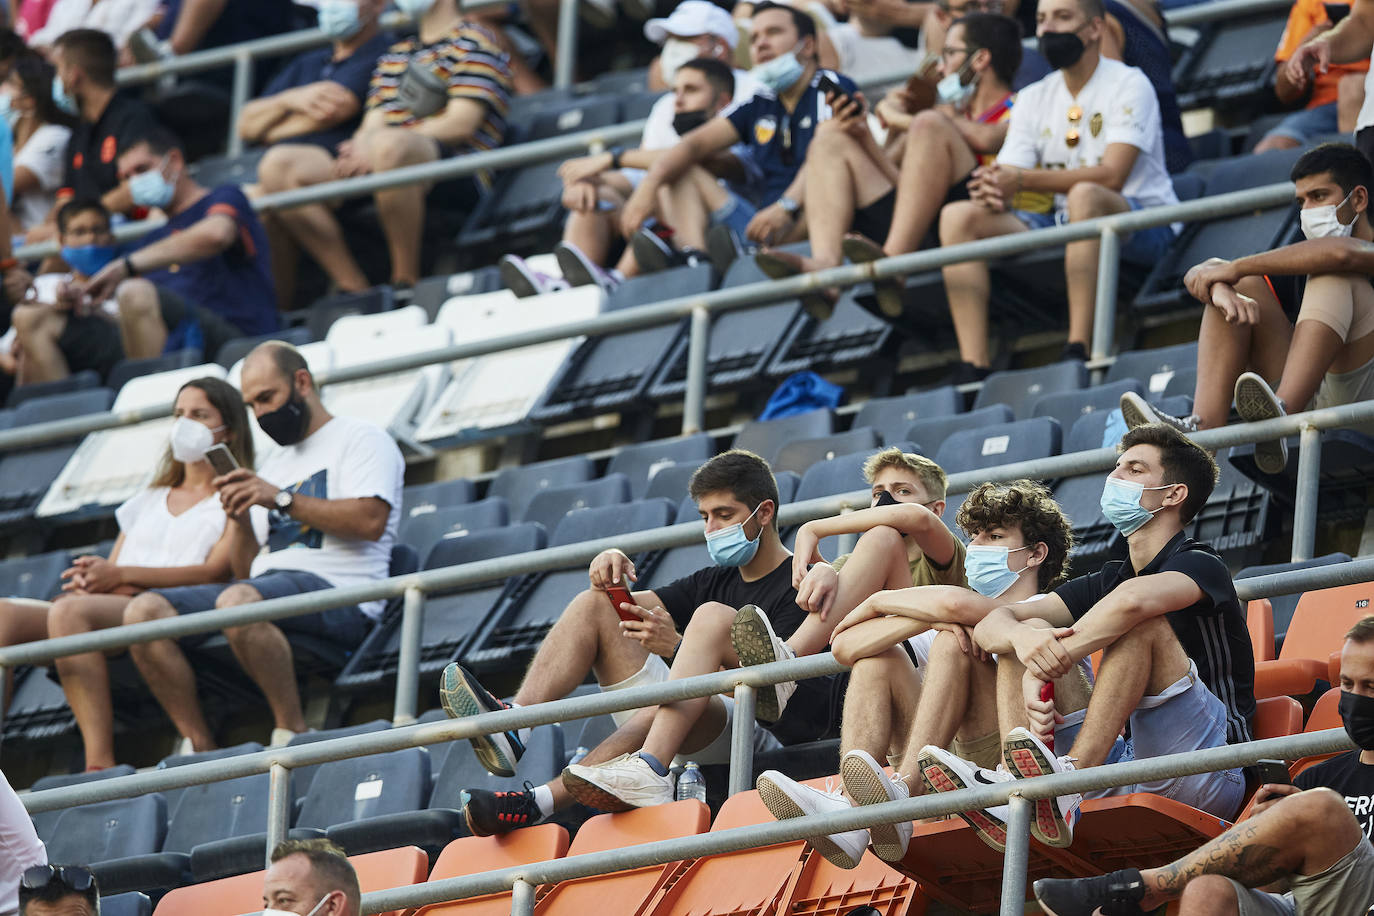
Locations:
column 1318, row 629
column 1276, row 717
column 822, row 889
column 474, row 854
column 1324, row 715
column 1259, row 619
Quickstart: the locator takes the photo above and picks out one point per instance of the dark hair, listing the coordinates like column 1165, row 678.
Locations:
column 1029, row 506
column 328, row 862
column 35, row 75
column 1362, row 632
column 1347, row 166
column 717, row 73
column 57, row 888
column 742, row 474
column 1093, row 9
column 1000, row 35
column 1183, row 461
column 11, row 45
column 159, row 141
column 806, row 26
column 93, row 51
column 225, row 398
column 78, row 205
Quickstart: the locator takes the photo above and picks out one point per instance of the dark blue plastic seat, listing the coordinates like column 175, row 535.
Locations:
column 929, row 434
column 670, row 482
column 426, row 529
column 1154, row 368
column 642, row 462
column 851, row 336
column 44, row 821
column 800, row 454
column 1020, row 388
column 1221, row 69
column 26, row 475
column 130, row 904
column 361, row 787
column 1068, row 406
column 892, row 417
column 234, row 350
column 442, row 494
column 998, row 444
column 109, row 830
column 77, row 381
column 519, row 484
column 550, row 506
column 765, row 437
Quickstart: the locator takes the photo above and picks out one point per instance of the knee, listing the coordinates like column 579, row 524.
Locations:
column 137, row 298
column 1087, row 199
column 1209, row 895
column 27, row 318
column 146, row 607
column 66, row 617
column 238, row 594
column 388, row 149
column 277, row 171
column 927, row 122
column 944, row 650
column 882, row 538
column 247, row 634
column 829, row 142
column 958, row 221
column 711, row 617
column 1319, row 810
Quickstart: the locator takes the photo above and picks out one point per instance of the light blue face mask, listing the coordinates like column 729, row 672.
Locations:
column 10, row 113
column 339, row 18
column 1121, row 504
column 987, row 571
column 780, row 73
column 730, row 546
column 151, row 188
column 952, row 90
column 63, row 99
column 414, row 8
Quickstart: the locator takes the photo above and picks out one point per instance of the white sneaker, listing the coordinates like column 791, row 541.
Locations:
column 756, row 644
column 786, row 798
column 619, row 784
column 1137, row 411
column 946, row 772
column 281, row 737
column 1256, row 401
column 868, row 784
column 1026, row 756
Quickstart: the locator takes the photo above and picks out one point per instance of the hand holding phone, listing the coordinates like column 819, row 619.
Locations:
column 619, row 595
column 221, row 459
column 1273, row 773
column 827, row 86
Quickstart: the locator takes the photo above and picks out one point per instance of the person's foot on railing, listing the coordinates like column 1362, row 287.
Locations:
column 947, row 772
column 1118, row 892
column 654, row 253
column 785, row 798
column 1137, row 411
column 868, row 784
column 756, row 644
column 624, row 782
column 887, row 291
column 463, row 696
column 491, row 813
column 281, row 737
column 520, row 278
column 723, row 247
column 1026, row 756
column 580, row 270
column 779, row 265
column 1256, row 401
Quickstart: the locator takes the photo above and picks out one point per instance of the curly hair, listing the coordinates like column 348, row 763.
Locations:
column 1029, row 506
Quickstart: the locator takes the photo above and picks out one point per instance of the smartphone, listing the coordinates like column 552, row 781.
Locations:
column 1335, row 12
column 619, row 595
column 1273, row 773
column 221, row 459
column 825, row 85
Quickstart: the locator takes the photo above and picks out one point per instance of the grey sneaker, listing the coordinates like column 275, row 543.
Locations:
column 1256, row 401
column 1137, row 411
column 523, row 280
column 756, row 644
column 580, row 270
column 888, row 292
column 723, row 247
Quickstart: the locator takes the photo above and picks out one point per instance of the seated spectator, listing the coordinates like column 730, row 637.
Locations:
column 1328, row 100
column 1136, row 36
column 202, row 277
column 1303, row 313
column 1312, row 836
column 1350, row 41
column 1088, row 133
column 1177, row 664
column 737, row 497
column 117, row 18
column 851, row 180
column 437, row 95
column 311, row 877
column 41, row 135
column 23, row 848
column 58, row 890
column 333, row 491
column 916, row 676
column 777, row 125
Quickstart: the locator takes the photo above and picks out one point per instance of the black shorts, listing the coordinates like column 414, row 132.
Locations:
column 875, row 220
column 1364, row 142
column 190, row 325
column 813, row 713
column 91, row 342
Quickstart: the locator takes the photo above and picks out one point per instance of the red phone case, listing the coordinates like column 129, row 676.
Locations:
column 620, row 595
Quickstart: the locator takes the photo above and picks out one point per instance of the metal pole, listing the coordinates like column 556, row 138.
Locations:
column 566, row 55
column 408, row 658
column 522, row 898
column 242, row 92
column 742, row 741
column 694, row 398
column 1108, row 270
column 1306, row 497
column 278, row 807
column 1017, row 860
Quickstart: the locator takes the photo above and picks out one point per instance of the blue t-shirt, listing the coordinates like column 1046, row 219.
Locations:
column 235, row 284
column 353, row 73
column 777, row 139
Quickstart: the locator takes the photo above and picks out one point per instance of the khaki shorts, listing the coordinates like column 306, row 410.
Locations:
column 1344, row 889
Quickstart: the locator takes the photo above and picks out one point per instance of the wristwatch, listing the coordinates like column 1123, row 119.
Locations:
column 789, row 206
column 284, row 500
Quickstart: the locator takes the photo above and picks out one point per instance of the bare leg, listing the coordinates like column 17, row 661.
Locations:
column 967, row 285
column 285, row 258
column 401, row 211
column 140, row 319
column 840, row 179
column 38, row 327
column 1233, row 348
column 687, row 205
column 167, row 672
column 879, row 562
column 20, row 622
column 935, row 158
column 265, row 654
column 586, row 638
column 947, row 693
column 1317, row 347
column 85, row 677
column 705, row 648
column 1086, row 200
column 879, row 704
column 313, row 226
column 594, row 231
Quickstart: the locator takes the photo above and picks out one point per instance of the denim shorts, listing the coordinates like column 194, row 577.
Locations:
column 1185, row 717
column 1144, row 246
column 1302, row 127
column 736, row 214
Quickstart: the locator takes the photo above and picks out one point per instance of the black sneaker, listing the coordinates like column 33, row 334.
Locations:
column 1116, row 894
column 654, row 253
column 492, row 813
column 462, row 696
column 580, row 270
column 723, row 247
column 966, row 373
column 1073, row 350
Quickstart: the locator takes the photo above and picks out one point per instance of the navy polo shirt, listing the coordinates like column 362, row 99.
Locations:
column 353, row 73
column 778, row 139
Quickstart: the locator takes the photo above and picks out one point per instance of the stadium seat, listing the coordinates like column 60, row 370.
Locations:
column 1276, row 717
column 423, row 498
column 1317, row 631
column 800, row 454
column 474, row 855
column 1259, row 621
column 127, row 369
column 396, row 400
column 173, row 796
column 360, row 787
column 644, row 461
column 1019, row 389
column 1155, row 368
column 432, row 292
column 77, row 381
column 236, row 349
column 833, row 476
column 766, row 438
column 1068, row 406
column 27, row 474
column 130, row 904
column 821, row 888
column 851, row 336
column 1221, row 68
column 1285, row 605
column 44, row 821
column 931, row 432
column 38, row 576
column 302, row 777
column 1325, row 714
column 423, row 531
column 212, row 171
column 519, row 484
column 108, row 830
column 549, row 507
column 892, row 417
column 1001, row 443
column 1347, row 462
column 322, row 314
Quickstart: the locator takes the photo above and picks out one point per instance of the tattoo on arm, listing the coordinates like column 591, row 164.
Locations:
column 1235, row 854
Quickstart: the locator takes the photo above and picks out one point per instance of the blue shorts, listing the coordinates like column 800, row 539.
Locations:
column 1302, row 127
column 346, row 626
column 1144, row 246
column 1185, row 717
column 736, row 214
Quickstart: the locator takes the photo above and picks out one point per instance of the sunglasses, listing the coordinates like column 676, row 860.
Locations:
column 1075, row 116
column 75, row 878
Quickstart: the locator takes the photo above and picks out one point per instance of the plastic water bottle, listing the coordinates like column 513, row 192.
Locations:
column 691, row 784
column 582, row 751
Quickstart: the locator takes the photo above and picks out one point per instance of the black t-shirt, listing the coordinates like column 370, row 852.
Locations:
column 773, row 594
column 1212, row 631
column 1349, row 778
column 91, row 169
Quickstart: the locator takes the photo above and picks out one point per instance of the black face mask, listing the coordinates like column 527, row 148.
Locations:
column 1061, row 49
column 1357, row 712
column 685, row 121
column 887, row 499
column 286, row 425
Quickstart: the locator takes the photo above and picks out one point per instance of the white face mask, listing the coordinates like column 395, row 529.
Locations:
column 190, row 440
column 675, row 53
column 313, row 910
column 1322, row 222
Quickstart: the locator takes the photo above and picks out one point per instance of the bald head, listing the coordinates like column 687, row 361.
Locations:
column 275, row 373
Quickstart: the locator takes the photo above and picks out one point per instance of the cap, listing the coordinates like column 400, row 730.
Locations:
column 692, row 18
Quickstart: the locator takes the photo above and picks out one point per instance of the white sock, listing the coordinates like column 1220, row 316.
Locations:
column 524, row 733
column 543, row 798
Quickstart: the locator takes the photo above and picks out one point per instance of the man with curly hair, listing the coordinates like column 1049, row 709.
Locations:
column 918, row 679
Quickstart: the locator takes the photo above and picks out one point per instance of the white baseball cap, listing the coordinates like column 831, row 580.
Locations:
column 692, row 18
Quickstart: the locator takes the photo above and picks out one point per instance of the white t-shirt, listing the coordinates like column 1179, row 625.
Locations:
column 20, row 847
column 344, row 459
column 863, row 57
column 658, row 126
column 1366, row 117
column 117, row 18
column 43, row 154
column 153, row 536
column 1118, row 106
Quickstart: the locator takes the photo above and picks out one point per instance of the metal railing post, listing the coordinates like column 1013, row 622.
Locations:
column 278, row 808
column 408, row 658
column 522, row 898
column 1306, row 497
column 742, row 740
column 1104, row 312
column 694, row 398
column 1017, row 860
column 563, row 65
column 242, row 92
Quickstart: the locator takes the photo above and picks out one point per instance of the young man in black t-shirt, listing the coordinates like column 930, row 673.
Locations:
column 1177, row 662
column 1309, row 841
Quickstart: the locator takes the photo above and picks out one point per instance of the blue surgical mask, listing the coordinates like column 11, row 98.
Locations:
column 339, row 18
column 780, row 73
column 987, row 571
column 87, row 260
column 63, row 99
column 10, row 113
column 414, row 8
column 952, row 90
column 1121, row 504
column 730, row 546
column 151, row 188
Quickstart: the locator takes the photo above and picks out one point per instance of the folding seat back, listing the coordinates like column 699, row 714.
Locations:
column 1154, row 368
column 549, row 507
column 1068, row 406
column 892, row 417
column 1020, row 388
column 800, row 454
column 671, row 482
column 127, row 369
column 641, row 462
column 421, row 498
column 1000, row 444
column 1284, row 606
column 930, row 433
column 1325, row 714
column 173, row 796
column 1259, row 620
column 474, row 855
column 64, row 405
column 766, row 437
column 359, row 787
column 45, row 821
column 109, row 830
column 585, row 524
column 543, row 760
column 371, row 326
column 425, row 530
column 1276, row 717
column 1316, row 633
column 77, row 381
column 38, row 576
column 131, row 904
column 302, row 777
column 520, row 484
column 218, row 810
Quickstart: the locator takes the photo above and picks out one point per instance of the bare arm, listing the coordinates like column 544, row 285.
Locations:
column 1112, row 172
column 204, row 239
column 261, row 115
column 361, row 519
column 1314, row 256
column 457, row 125
column 913, row 519
column 998, row 631
column 193, row 22
column 714, row 136
column 1353, row 37
column 25, row 180
column 243, row 545
column 981, row 138
column 1127, row 605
